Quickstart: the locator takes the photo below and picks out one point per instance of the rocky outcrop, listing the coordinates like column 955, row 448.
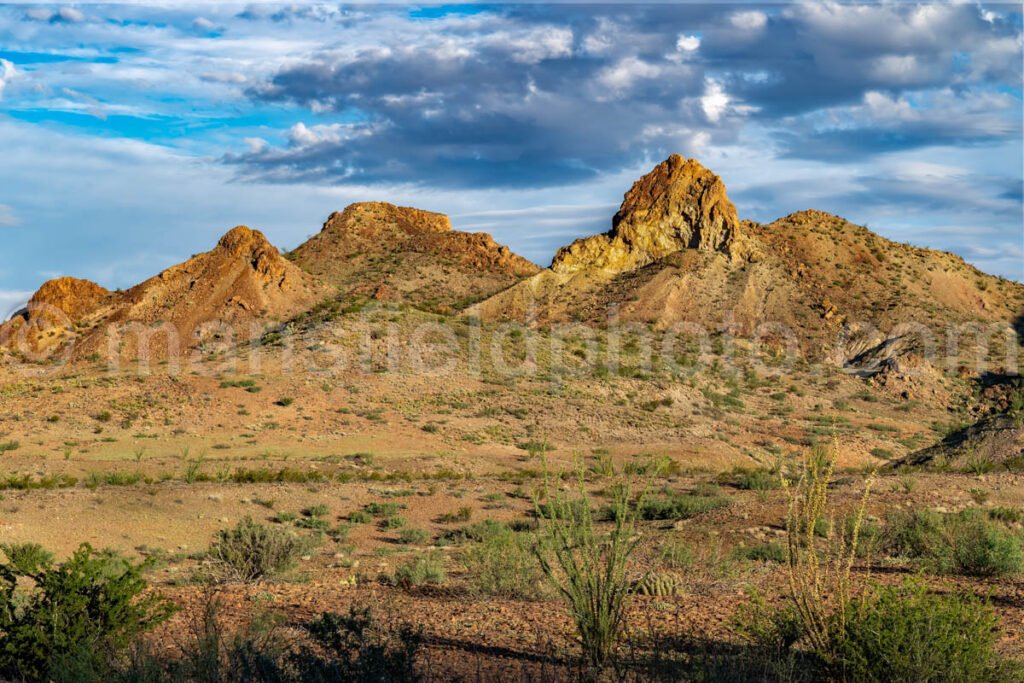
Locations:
column 412, row 255
column 678, row 205
column 251, row 245
column 70, row 296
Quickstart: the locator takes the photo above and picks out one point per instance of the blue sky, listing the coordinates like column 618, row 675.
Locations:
column 134, row 135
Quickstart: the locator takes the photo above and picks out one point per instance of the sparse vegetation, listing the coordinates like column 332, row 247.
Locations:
column 251, row 551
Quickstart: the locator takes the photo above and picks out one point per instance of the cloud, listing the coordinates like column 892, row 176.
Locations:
column 520, row 90
column 12, row 301
column 65, row 15
column 7, row 73
column 885, row 123
column 749, row 20
column 7, row 217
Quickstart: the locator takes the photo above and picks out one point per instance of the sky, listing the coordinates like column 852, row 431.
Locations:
column 133, row 135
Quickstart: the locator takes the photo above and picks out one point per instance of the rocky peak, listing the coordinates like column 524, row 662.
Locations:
column 244, row 241
column 71, row 296
column 252, row 245
column 373, row 216
column 678, row 205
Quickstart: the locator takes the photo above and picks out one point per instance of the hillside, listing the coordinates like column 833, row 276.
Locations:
column 677, row 253
column 222, row 297
column 399, row 254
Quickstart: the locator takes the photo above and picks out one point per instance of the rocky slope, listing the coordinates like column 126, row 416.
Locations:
column 679, row 205
column 408, row 255
column 677, row 253
column 224, row 295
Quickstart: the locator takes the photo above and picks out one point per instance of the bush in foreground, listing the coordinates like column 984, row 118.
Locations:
column 905, row 633
column 73, row 620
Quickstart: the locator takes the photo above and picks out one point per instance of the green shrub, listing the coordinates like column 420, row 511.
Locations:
column 754, row 480
column 463, row 514
column 9, row 446
column 967, row 543
column 905, row 633
column 251, row 551
column 85, row 612
column 395, row 522
column 1006, row 515
column 383, row 509
column 765, row 552
column 359, row 517
column 675, row 553
column 412, row 536
column 501, row 563
column 26, row 559
column 427, row 568
column 588, row 566
column 680, row 506
column 284, row 401
column 318, row 510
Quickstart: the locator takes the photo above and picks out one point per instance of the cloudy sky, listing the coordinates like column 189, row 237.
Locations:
column 133, row 135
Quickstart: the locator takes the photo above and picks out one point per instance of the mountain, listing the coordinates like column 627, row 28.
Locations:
column 678, row 253
column 226, row 294
column 399, row 254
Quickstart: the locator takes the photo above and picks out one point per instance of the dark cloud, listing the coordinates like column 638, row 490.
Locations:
column 535, row 95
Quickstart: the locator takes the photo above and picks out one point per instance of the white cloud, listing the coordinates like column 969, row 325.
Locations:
column 715, row 100
column 7, row 73
column 68, row 15
column 202, row 24
column 751, row 20
column 623, row 75
column 687, row 43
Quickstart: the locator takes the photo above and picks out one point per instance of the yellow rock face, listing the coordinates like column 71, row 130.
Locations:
column 678, row 205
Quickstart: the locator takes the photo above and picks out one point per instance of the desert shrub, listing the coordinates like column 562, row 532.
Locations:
column 424, row 569
column 359, row 647
column 754, row 480
column 764, row 552
column 969, row 543
column 359, row 517
column 318, row 510
column 26, row 559
column 1007, row 515
column 393, row 522
column 383, row 509
column 477, row 533
column 588, row 567
column 412, row 536
column 251, row 551
column 463, row 514
column 820, row 589
column 9, row 446
column 905, row 633
column 501, row 563
column 678, row 506
column 675, row 553
column 78, row 616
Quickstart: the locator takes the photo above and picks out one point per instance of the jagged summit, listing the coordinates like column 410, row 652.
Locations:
column 71, row 296
column 408, row 255
column 678, row 205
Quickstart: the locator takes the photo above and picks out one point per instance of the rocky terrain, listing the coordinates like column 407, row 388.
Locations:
column 399, row 254
column 392, row 389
